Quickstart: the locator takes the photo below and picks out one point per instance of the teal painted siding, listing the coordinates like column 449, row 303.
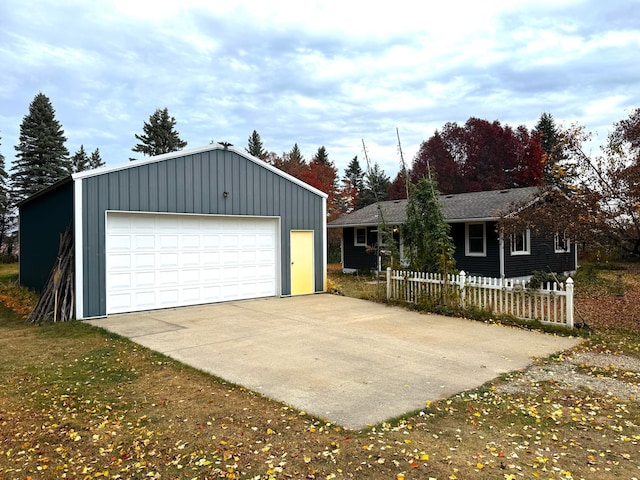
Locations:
column 43, row 218
column 195, row 183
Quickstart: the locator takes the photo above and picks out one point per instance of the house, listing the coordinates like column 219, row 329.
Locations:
column 190, row 227
column 480, row 247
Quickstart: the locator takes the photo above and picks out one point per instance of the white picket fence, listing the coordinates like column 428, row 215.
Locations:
column 553, row 304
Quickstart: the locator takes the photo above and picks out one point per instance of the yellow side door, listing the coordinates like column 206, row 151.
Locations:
column 302, row 262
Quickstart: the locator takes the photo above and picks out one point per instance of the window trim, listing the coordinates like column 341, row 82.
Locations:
column 355, row 237
column 556, row 244
column 526, row 235
column 467, row 251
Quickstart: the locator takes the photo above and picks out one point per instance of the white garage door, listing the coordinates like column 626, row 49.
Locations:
column 159, row 261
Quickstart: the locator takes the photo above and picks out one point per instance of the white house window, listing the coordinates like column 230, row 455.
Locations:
column 475, row 239
column 561, row 244
column 360, row 239
column 521, row 243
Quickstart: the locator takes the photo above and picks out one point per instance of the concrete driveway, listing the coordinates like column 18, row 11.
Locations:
column 350, row 361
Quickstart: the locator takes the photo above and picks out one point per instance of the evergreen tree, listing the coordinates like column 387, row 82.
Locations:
column 426, row 233
column 353, row 182
column 95, row 160
column 354, row 174
column 42, row 158
column 322, row 156
column 80, row 160
column 551, row 142
column 376, row 187
column 6, row 216
column 160, row 135
column 295, row 156
column 255, row 146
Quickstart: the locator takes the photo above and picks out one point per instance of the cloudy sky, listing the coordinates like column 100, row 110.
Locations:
column 326, row 73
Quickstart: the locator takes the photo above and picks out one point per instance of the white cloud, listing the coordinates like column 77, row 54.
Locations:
column 317, row 73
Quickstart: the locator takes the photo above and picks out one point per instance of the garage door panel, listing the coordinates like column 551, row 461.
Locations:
column 167, row 224
column 143, row 224
column 189, row 224
column 120, row 242
column 230, row 257
column 211, row 293
column 144, row 242
column 121, row 261
column 144, row 279
column 120, row 301
column 159, row 261
column 144, row 299
column 142, row 260
column 191, row 294
column 168, row 242
column 189, row 259
column 189, row 276
column 189, row 242
column 168, row 277
column 210, row 241
column 230, row 241
column 210, row 258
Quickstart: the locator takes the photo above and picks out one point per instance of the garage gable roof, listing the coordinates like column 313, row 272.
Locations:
column 461, row 207
column 193, row 151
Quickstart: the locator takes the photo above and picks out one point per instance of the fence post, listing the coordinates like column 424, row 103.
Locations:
column 388, row 283
column 569, row 290
column 463, row 281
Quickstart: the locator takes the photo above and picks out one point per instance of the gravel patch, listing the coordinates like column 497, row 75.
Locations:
column 568, row 373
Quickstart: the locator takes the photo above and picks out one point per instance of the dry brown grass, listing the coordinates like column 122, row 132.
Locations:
column 76, row 402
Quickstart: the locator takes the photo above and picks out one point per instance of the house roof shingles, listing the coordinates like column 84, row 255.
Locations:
column 459, row 207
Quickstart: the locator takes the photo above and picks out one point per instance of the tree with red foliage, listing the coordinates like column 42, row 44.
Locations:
column 291, row 162
column 438, row 154
column 479, row 156
column 322, row 174
column 398, row 188
column 595, row 200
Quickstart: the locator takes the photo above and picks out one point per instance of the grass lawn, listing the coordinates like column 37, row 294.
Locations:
column 77, row 402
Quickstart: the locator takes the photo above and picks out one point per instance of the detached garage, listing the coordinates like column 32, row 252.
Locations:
column 201, row 226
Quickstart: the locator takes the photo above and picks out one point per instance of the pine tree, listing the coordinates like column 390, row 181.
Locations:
column 552, row 146
column 42, row 158
column 295, row 156
column 321, row 156
column 7, row 218
column 255, row 146
column 95, row 160
column 160, row 135
column 376, row 187
column 354, row 174
column 80, row 160
column 353, row 181
column 292, row 162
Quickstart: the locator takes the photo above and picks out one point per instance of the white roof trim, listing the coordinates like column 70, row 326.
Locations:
column 193, row 151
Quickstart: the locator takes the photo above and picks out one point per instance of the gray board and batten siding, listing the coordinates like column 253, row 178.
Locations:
column 195, row 183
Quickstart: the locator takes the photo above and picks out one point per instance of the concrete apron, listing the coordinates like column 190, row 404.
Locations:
column 351, row 362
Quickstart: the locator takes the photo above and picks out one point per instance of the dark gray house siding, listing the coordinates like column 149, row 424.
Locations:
column 486, row 266
column 542, row 257
column 356, row 256
column 195, row 183
column 43, row 218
